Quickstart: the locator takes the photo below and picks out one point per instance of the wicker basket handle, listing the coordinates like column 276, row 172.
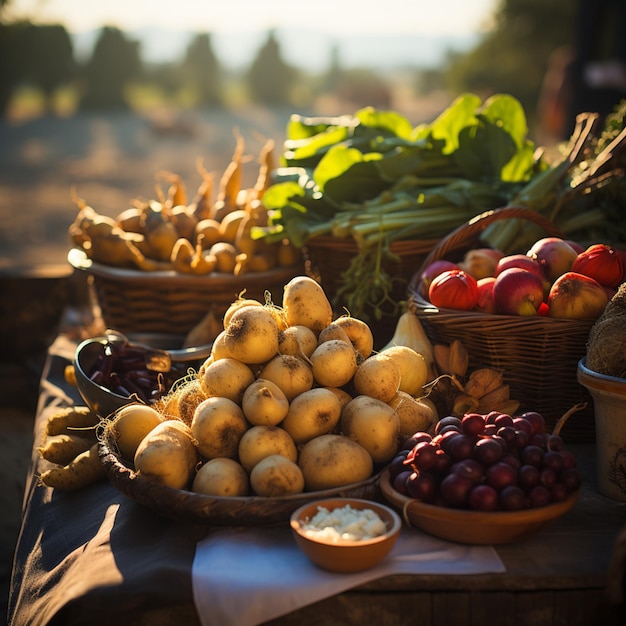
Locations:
column 469, row 231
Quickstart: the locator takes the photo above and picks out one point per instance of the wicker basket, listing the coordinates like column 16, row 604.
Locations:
column 538, row 355
column 329, row 257
column 167, row 301
column 187, row 506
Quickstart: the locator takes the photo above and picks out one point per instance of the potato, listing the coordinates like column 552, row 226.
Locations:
column 306, row 304
column 413, row 369
column 276, row 476
column 264, row 403
column 374, row 425
column 291, row 373
column 297, row 340
column 311, row 414
column 333, row 331
column 236, row 305
column 167, row 454
column 359, row 333
column 130, row 425
column 334, row 363
column 415, row 415
column 226, row 378
column 262, row 441
column 378, row 377
column 221, row 477
column 331, row 461
column 251, row 335
column 218, row 425
column 342, row 395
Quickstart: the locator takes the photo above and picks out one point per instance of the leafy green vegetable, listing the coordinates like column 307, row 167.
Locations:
column 375, row 178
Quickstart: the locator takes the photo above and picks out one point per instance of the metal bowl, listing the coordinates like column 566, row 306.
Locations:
column 163, row 352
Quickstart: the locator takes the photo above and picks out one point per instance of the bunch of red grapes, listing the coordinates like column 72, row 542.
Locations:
column 486, row 462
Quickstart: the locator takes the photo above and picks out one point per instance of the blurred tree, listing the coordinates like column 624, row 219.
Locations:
column 201, row 69
column 48, row 54
column 514, row 56
column 269, row 77
column 37, row 55
column 114, row 63
column 10, row 67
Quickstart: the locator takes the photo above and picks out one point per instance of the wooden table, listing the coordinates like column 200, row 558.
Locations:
column 96, row 557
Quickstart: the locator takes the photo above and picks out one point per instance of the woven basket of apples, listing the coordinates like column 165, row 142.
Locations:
column 527, row 314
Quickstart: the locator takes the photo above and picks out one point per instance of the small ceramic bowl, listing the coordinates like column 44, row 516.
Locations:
column 343, row 555
column 102, row 400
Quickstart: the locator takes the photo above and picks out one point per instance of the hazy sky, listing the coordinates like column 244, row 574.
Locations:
column 333, row 16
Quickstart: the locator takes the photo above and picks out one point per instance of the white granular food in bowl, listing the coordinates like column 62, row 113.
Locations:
column 344, row 524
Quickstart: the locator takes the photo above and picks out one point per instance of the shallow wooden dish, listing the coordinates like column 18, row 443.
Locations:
column 473, row 527
column 188, row 506
column 345, row 556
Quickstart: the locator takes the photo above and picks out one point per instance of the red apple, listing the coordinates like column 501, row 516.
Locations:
column 481, row 262
column 485, row 302
column 602, row 263
column 518, row 291
column 554, row 255
column 454, row 289
column 576, row 296
column 431, row 271
column 520, row 261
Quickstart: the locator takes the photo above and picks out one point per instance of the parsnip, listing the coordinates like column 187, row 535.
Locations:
column 82, row 471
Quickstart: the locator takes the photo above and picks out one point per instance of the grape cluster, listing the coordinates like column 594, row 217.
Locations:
column 486, row 462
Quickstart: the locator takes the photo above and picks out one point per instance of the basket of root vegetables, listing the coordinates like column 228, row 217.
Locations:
column 526, row 314
column 174, row 262
column 292, row 405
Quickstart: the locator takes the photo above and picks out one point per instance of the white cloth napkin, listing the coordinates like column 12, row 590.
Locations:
column 243, row 577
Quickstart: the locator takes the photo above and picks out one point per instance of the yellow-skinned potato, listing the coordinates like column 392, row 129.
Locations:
column 374, row 425
column 334, row 363
column 413, row 369
column 291, row 373
column 276, row 476
column 415, row 415
column 251, row 335
column 331, row 461
column 217, row 426
column 311, row 414
column 130, row 425
column 238, row 304
column 333, row 331
column 378, row 376
column 297, row 341
column 227, row 378
column 359, row 333
column 264, row 403
column 167, row 454
column 306, row 304
column 221, row 477
column 262, row 441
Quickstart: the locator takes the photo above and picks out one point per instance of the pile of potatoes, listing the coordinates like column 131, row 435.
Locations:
column 192, row 235
column 289, row 401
